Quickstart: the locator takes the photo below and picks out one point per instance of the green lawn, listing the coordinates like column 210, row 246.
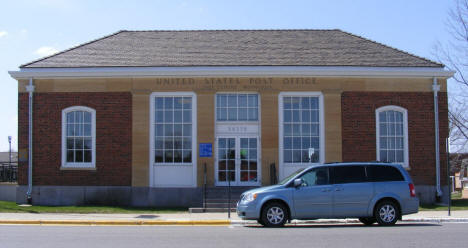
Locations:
column 457, row 204
column 12, row 207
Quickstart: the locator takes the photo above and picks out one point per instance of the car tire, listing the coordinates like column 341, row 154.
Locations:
column 274, row 214
column 368, row 221
column 386, row 213
column 259, row 221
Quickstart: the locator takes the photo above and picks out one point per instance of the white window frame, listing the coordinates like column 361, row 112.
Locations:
column 81, row 165
column 281, row 126
column 169, row 168
column 237, row 121
column 405, row 131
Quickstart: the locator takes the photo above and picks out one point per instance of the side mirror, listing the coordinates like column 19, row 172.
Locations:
column 297, row 182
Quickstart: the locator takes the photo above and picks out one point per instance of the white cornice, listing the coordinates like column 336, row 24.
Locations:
column 231, row 71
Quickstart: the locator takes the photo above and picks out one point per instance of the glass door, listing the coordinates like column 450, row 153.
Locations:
column 237, row 159
column 248, row 161
column 226, row 161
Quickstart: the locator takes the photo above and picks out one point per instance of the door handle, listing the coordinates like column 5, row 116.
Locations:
column 326, row 190
column 338, row 189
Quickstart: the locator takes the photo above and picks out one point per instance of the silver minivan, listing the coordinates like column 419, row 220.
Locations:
column 372, row 192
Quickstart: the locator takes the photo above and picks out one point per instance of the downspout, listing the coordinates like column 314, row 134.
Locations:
column 436, row 89
column 30, row 89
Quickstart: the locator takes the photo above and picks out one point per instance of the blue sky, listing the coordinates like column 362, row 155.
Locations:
column 31, row 29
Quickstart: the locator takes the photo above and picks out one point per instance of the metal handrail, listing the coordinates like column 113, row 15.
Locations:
column 204, row 186
column 273, row 177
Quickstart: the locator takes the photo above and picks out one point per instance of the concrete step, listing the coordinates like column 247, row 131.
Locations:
column 220, row 200
column 225, row 189
column 210, row 210
column 222, row 196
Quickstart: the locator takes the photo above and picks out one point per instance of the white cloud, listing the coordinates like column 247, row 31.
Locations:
column 3, row 33
column 24, row 31
column 45, row 51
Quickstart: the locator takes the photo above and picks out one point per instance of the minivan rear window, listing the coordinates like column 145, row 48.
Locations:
column 349, row 174
column 380, row 173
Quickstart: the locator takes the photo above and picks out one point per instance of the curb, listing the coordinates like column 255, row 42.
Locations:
column 204, row 222
column 436, row 220
column 120, row 222
column 355, row 221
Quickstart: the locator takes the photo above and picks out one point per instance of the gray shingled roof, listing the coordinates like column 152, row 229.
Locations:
column 231, row 48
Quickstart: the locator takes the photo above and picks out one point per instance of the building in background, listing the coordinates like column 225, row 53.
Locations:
column 134, row 117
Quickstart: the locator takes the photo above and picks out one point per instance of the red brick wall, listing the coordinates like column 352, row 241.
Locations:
column 113, row 138
column 359, row 137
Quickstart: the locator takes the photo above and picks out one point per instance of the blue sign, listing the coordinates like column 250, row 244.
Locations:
column 206, row 150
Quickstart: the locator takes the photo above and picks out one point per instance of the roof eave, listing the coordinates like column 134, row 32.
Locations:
column 231, row 71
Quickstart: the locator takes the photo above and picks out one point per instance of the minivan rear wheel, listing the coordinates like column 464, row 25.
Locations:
column 368, row 221
column 386, row 213
column 274, row 214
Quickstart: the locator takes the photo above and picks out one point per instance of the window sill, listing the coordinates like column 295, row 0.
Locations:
column 77, row 168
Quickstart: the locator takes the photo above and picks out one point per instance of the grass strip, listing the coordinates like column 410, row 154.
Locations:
column 12, row 207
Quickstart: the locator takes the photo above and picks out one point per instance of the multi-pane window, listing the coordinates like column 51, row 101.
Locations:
column 173, row 129
column 391, row 134
column 78, row 125
column 301, row 129
column 237, row 107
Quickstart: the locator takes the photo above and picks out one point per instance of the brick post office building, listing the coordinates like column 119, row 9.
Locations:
column 135, row 117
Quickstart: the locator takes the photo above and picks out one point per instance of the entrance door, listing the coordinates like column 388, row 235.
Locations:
column 237, row 159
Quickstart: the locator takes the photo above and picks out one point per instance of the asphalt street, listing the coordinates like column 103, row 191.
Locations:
column 401, row 235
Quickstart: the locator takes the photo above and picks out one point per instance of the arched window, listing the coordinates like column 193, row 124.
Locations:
column 392, row 134
column 78, row 137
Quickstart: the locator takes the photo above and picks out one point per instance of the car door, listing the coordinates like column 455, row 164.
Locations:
column 352, row 191
column 313, row 199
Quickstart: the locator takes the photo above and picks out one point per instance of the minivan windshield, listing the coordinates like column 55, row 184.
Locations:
column 285, row 180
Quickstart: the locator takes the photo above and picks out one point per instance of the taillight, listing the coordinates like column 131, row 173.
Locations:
column 412, row 191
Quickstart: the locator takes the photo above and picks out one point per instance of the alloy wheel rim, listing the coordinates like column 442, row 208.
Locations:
column 275, row 215
column 387, row 213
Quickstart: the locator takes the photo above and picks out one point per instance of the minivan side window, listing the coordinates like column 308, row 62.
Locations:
column 384, row 173
column 349, row 174
column 317, row 176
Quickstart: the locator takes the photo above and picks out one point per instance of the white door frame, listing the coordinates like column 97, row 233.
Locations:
column 238, row 129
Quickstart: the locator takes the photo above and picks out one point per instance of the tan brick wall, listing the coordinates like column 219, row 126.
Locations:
column 269, row 133
column 332, row 109
column 140, row 138
column 205, row 134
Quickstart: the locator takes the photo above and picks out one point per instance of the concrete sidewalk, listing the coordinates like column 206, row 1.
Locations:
column 185, row 218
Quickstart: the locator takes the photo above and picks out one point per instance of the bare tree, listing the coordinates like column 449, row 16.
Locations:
column 454, row 54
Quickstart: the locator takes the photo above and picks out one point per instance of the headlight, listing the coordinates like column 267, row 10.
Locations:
column 250, row 197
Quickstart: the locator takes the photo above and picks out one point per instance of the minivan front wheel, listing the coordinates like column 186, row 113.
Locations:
column 386, row 213
column 274, row 215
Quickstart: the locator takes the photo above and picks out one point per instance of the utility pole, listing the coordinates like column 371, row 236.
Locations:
column 9, row 141
column 9, row 163
column 449, row 183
